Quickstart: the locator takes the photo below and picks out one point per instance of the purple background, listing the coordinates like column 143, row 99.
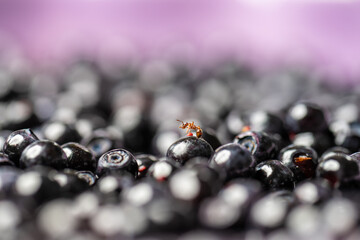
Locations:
column 323, row 37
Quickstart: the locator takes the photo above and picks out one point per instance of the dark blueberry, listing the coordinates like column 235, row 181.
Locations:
column 87, row 176
column 270, row 211
column 337, row 168
column 306, row 117
column 217, row 213
column 102, row 141
column 144, row 161
column 4, row 134
column 8, row 176
column 274, row 175
column 189, row 147
column 209, row 135
column 79, row 157
column 44, row 152
column 70, row 184
column 16, row 142
column 138, row 132
column 5, row 161
column 117, row 160
column 35, row 188
column 61, row 132
column 347, row 135
column 301, row 160
column 20, row 114
column 262, row 121
column 234, row 159
column 162, row 169
column 313, row 191
column 261, row 145
column 336, row 149
column 110, row 186
column 319, row 141
column 241, row 193
column 194, row 184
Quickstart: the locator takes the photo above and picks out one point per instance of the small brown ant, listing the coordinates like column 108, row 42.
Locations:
column 191, row 126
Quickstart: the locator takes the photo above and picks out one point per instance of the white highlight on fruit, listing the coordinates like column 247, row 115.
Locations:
column 236, row 195
column 85, row 205
column 16, row 140
column 54, row 131
column 61, row 179
column 28, row 183
column 165, row 140
column 162, row 169
column 128, row 117
column 340, row 215
column 67, row 152
column 268, row 212
column 185, row 185
column 304, row 139
column 9, row 216
column 304, row 220
column 299, row 111
column 219, row 214
column 33, row 151
column 140, row 194
column 267, row 169
column 180, row 148
column 56, row 219
column 331, row 165
column 109, row 220
column 258, row 119
column 307, row 193
column 222, row 156
column 108, row 184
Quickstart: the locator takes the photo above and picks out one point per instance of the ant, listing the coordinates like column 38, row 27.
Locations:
column 191, row 126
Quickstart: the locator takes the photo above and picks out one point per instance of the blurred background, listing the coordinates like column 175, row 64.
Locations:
column 318, row 36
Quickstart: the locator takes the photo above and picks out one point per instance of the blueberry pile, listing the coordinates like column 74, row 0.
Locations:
column 98, row 154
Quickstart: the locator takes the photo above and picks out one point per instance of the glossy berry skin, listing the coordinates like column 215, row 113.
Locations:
column 5, row 161
column 313, row 191
column 189, row 147
column 234, row 159
column 102, row 141
column 16, row 142
column 79, row 157
column 306, row 117
column 337, row 168
column 319, row 141
column 261, row 145
column 162, row 169
column 117, row 160
column 144, row 162
column 274, row 175
column 61, row 132
column 302, row 161
column 86, row 176
column 44, row 152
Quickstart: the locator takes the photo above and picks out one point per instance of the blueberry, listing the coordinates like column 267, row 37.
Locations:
column 117, row 160
column 306, row 117
column 314, row 191
column 347, row 135
column 44, row 152
column 234, row 159
column 209, row 135
column 274, row 175
column 162, row 169
column 16, row 142
column 102, row 141
column 144, row 161
column 61, row 132
column 337, row 168
column 261, row 145
column 319, row 141
column 87, row 176
column 70, row 184
column 5, row 161
column 301, row 160
column 79, row 157
column 189, row 147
